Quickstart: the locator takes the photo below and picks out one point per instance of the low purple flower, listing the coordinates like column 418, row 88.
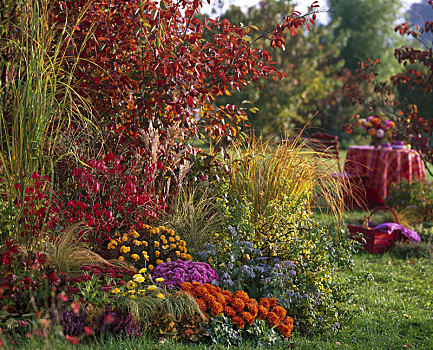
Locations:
column 176, row 272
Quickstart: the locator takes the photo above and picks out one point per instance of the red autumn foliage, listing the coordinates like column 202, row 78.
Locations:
column 158, row 63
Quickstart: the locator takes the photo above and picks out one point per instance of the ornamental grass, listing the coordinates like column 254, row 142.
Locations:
column 239, row 307
column 288, row 175
column 37, row 101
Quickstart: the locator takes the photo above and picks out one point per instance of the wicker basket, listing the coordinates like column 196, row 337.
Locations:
column 376, row 242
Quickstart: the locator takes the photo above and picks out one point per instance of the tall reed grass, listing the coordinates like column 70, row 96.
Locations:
column 37, row 102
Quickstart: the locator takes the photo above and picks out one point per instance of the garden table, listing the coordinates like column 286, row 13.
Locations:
column 380, row 167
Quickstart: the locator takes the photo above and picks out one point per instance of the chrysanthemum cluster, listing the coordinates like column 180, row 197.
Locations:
column 141, row 285
column 239, row 307
column 149, row 245
column 179, row 271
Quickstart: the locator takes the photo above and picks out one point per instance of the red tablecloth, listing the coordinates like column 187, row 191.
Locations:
column 380, row 167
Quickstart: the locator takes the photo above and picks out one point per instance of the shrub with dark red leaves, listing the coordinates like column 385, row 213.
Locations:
column 25, row 275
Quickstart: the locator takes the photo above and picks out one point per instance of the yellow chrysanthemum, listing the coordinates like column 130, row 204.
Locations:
column 121, row 258
column 130, row 284
column 132, row 296
column 177, row 238
column 141, row 291
column 177, row 253
column 160, row 296
column 124, row 249
column 171, row 239
column 135, row 257
column 131, row 291
column 152, row 287
column 150, row 267
column 156, row 243
column 143, row 270
column 159, row 279
column 159, row 261
column 173, row 246
column 137, row 275
column 115, row 290
column 162, row 237
column 168, row 259
column 164, row 241
column 137, row 243
column 140, row 279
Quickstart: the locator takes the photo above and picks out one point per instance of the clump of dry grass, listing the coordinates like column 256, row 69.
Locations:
column 68, row 253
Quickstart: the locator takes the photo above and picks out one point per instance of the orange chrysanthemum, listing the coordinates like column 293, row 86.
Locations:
column 284, row 330
column 238, row 304
column 221, row 299
column 187, row 286
column 216, row 308
column 241, row 295
column 273, row 319
column 248, row 317
column 202, row 304
column 227, row 293
column 238, row 321
column 209, row 298
column 280, row 312
column 265, row 303
column 200, row 290
column 272, row 301
column 288, row 321
column 263, row 312
column 229, row 311
column 253, row 307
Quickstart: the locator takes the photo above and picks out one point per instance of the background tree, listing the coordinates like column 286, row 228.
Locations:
column 368, row 24
column 310, row 64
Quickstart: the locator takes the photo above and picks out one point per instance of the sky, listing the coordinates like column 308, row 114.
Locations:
column 302, row 6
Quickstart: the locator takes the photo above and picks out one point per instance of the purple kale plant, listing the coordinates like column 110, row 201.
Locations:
column 176, row 272
column 72, row 322
column 115, row 321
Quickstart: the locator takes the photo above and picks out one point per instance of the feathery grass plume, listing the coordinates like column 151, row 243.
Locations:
column 194, row 216
column 69, row 254
column 36, row 102
column 284, row 176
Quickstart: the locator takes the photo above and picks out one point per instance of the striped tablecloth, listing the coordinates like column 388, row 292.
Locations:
column 380, row 167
